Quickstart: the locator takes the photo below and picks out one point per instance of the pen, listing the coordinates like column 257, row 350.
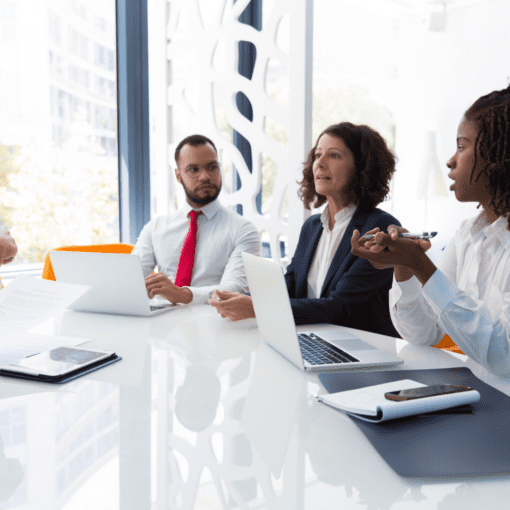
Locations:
column 421, row 235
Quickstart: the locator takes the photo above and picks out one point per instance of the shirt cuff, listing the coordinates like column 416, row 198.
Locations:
column 200, row 295
column 439, row 291
column 406, row 292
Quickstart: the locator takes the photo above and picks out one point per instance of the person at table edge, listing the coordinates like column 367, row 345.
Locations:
column 221, row 234
column 8, row 248
column 349, row 168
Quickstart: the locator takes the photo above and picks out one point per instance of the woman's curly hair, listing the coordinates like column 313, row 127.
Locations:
column 375, row 165
column 491, row 114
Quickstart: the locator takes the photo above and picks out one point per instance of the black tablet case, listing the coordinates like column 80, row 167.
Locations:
column 472, row 440
column 64, row 378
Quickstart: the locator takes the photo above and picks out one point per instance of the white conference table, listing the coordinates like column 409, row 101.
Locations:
column 200, row 414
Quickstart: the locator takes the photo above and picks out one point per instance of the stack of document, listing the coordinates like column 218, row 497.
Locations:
column 25, row 303
column 371, row 405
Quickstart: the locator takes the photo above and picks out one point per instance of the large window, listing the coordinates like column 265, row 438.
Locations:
column 58, row 125
column 355, row 66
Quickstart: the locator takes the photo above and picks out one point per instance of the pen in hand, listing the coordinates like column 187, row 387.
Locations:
column 421, row 235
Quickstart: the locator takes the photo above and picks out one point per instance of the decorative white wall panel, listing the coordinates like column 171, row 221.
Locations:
column 219, row 466
column 202, row 77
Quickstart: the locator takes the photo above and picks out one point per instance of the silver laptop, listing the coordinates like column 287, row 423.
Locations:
column 330, row 350
column 116, row 281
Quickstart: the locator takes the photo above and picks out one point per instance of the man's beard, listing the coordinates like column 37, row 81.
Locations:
column 201, row 200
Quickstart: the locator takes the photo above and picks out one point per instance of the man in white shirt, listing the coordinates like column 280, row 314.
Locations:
column 221, row 234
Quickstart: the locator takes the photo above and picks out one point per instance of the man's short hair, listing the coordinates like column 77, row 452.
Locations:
column 195, row 141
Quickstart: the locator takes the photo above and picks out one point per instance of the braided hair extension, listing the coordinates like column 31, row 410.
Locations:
column 491, row 114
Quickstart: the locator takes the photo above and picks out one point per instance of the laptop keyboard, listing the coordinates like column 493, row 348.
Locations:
column 159, row 307
column 317, row 351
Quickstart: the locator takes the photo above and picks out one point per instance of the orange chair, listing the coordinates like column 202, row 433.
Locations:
column 48, row 273
column 448, row 344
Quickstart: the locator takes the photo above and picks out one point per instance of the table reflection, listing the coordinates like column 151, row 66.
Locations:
column 201, row 414
column 203, row 369
column 12, row 479
column 54, row 442
column 276, row 391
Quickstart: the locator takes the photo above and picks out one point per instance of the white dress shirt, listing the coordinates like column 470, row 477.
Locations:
column 326, row 248
column 222, row 235
column 468, row 297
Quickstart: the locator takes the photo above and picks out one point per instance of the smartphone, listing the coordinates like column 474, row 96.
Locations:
column 425, row 391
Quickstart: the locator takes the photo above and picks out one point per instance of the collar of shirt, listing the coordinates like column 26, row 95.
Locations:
column 481, row 227
column 342, row 214
column 208, row 210
column 500, row 229
column 478, row 226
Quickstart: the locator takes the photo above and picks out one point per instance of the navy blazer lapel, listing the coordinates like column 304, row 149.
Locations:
column 315, row 234
column 359, row 218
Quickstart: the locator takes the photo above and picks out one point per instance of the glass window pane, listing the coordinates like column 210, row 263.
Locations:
column 58, row 125
column 355, row 66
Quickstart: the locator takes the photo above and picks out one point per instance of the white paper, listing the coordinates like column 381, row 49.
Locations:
column 370, row 404
column 27, row 302
column 21, row 345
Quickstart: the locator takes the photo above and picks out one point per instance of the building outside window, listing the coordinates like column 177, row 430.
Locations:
column 58, row 127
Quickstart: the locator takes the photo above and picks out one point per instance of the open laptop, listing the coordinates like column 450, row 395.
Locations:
column 116, row 283
column 337, row 349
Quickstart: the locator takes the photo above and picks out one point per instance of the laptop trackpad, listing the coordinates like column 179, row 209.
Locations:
column 346, row 340
column 353, row 345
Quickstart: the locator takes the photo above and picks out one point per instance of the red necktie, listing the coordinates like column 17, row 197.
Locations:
column 185, row 267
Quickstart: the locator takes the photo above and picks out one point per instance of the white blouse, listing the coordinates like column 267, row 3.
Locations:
column 326, row 249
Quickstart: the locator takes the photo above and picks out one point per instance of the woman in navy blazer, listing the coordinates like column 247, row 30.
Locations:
column 349, row 168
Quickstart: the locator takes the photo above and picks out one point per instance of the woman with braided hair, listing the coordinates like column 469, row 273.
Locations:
column 467, row 295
